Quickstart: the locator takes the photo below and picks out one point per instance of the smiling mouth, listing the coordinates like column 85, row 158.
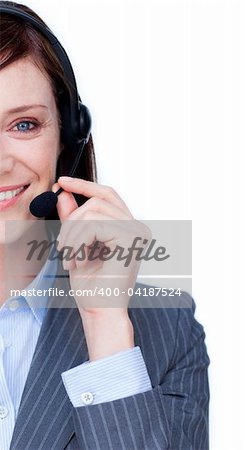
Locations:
column 8, row 195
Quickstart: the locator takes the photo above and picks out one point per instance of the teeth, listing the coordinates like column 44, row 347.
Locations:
column 6, row 195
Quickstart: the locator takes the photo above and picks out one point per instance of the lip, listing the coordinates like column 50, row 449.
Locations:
column 4, row 204
column 12, row 187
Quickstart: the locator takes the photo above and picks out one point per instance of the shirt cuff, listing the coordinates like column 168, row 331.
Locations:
column 107, row 379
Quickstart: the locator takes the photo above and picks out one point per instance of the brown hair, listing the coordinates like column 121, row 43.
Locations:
column 19, row 39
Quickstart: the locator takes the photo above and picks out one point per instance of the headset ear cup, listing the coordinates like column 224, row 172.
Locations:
column 85, row 122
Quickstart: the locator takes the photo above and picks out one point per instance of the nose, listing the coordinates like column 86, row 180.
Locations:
column 6, row 157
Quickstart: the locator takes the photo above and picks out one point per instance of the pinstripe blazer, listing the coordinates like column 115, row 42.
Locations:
column 173, row 415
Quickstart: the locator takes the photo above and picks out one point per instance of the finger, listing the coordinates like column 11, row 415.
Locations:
column 92, row 189
column 66, row 203
column 70, row 239
column 70, row 264
column 98, row 231
column 95, row 226
column 102, row 206
column 75, row 232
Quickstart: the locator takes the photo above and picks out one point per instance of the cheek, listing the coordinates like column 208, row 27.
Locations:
column 44, row 160
column 48, row 161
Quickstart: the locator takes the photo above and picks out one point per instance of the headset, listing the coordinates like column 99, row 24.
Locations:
column 73, row 112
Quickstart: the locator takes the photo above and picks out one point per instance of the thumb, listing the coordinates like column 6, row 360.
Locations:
column 66, row 203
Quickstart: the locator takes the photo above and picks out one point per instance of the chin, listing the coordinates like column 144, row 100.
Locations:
column 14, row 230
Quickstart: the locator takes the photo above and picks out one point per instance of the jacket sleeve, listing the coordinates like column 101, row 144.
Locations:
column 172, row 415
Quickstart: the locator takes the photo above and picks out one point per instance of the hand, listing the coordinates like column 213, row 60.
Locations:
column 106, row 219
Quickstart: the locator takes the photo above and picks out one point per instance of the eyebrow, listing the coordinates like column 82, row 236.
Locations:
column 24, row 108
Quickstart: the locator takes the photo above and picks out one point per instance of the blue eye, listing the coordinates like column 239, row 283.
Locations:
column 24, row 126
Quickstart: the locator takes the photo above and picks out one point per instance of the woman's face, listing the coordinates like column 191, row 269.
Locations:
column 29, row 138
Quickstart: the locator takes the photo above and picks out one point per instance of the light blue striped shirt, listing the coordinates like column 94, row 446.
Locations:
column 107, row 379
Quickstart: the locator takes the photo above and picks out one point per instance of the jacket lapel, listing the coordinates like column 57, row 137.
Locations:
column 44, row 420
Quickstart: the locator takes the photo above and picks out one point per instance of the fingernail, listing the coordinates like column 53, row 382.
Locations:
column 66, row 179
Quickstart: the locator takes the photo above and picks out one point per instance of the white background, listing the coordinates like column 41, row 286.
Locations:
column 165, row 83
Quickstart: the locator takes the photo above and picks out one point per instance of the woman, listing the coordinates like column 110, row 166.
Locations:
column 80, row 376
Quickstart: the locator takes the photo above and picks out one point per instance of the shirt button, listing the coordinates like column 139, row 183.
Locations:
column 3, row 412
column 87, row 398
column 14, row 304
